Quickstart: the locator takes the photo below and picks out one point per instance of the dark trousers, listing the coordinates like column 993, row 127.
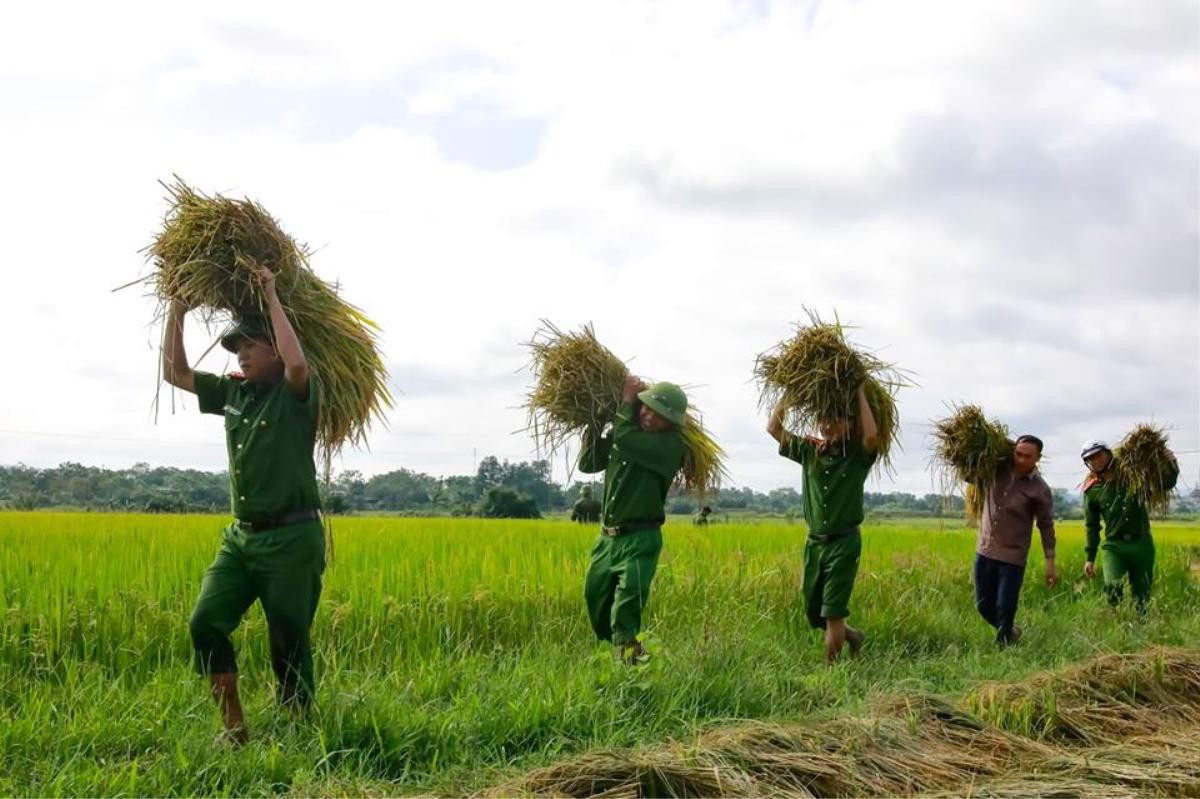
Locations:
column 997, row 589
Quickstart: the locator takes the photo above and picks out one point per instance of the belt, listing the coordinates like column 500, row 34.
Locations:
column 295, row 517
column 825, row 538
column 626, row 529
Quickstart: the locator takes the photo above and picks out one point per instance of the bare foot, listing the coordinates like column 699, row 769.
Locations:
column 234, row 737
column 855, row 639
column 634, row 654
column 1015, row 635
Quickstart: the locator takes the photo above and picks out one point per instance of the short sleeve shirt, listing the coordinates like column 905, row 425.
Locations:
column 270, row 434
column 834, row 476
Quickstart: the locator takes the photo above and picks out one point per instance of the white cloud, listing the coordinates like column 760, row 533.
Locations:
column 1003, row 196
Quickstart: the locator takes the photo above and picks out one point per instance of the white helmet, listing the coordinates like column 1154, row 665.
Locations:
column 1093, row 446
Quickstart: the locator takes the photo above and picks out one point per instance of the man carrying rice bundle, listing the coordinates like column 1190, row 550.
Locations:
column 1111, row 498
column 274, row 551
column 816, row 381
column 835, row 469
column 1016, row 497
column 305, row 388
column 640, row 457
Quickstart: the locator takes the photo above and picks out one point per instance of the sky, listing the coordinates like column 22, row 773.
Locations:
column 1003, row 198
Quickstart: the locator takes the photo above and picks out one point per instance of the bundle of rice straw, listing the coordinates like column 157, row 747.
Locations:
column 971, row 450
column 1145, row 467
column 204, row 257
column 816, row 374
column 577, row 386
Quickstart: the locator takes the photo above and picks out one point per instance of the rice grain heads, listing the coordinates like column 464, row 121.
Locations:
column 204, row 257
column 816, row 375
column 577, row 384
column 1146, row 468
column 970, row 449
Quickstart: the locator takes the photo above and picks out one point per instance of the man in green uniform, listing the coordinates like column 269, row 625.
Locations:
column 274, row 551
column 1128, row 547
column 586, row 508
column 835, row 468
column 640, row 457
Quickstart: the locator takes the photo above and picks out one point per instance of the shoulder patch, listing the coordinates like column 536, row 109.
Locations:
column 236, row 376
column 1089, row 482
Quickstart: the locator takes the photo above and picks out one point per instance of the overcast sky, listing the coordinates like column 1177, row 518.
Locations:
column 1001, row 196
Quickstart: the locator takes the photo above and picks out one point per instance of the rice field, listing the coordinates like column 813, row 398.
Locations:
column 454, row 655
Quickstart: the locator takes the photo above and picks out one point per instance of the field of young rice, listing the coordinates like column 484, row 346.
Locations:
column 454, row 655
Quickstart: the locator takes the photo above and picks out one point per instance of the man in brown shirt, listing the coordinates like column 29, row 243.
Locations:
column 1017, row 497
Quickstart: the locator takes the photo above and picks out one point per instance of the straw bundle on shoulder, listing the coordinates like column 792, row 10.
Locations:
column 816, row 374
column 971, row 450
column 577, row 385
column 1145, row 466
column 204, row 257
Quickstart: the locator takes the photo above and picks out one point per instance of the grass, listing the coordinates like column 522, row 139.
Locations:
column 455, row 654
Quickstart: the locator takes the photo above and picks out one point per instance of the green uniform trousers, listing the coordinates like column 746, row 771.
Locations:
column 830, row 567
column 1133, row 558
column 282, row 569
column 618, row 583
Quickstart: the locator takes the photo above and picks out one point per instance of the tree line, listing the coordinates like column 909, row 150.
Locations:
column 523, row 489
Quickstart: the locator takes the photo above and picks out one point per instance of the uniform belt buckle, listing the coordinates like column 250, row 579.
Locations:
column 611, row 532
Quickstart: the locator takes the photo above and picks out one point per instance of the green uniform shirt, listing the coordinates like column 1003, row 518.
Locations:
column 1124, row 517
column 639, row 468
column 834, row 475
column 270, row 434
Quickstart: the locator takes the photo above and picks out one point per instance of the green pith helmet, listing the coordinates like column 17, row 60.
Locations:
column 586, row 492
column 254, row 327
column 667, row 400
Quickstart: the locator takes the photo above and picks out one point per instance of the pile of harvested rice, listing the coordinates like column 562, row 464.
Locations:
column 816, row 375
column 1121, row 725
column 204, row 257
column 970, row 449
column 577, row 386
column 1146, row 468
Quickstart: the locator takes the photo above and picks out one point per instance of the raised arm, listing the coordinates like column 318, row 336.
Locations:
column 593, row 455
column 175, row 367
column 866, row 422
column 295, row 365
column 775, row 423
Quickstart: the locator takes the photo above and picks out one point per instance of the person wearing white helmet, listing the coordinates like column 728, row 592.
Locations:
column 1128, row 546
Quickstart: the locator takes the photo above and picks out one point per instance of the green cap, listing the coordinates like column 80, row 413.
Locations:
column 254, row 327
column 586, row 491
column 667, row 400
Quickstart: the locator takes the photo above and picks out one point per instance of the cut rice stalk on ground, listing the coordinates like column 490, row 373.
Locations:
column 577, row 384
column 1134, row 727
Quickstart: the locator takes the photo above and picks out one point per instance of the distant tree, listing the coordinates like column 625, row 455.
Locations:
column 502, row 502
column 490, row 473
